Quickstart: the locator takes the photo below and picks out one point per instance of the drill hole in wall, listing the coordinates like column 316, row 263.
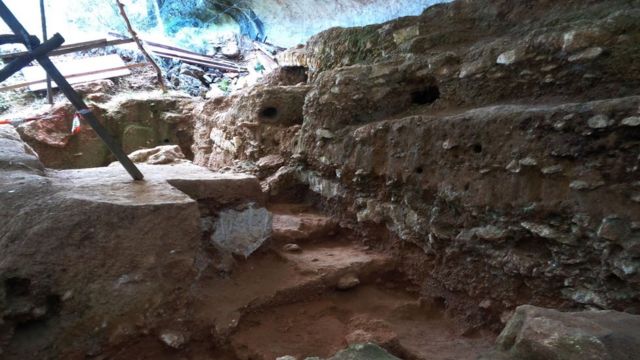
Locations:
column 477, row 148
column 419, row 170
column 269, row 112
column 17, row 286
column 426, row 95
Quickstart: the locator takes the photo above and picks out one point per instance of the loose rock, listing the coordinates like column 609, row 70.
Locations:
column 348, row 281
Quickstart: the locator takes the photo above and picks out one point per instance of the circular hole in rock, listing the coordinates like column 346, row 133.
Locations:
column 426, row 95
column 166, row 141
column 477, row 148
column 419, row 170
column 17, row 286
column 269, row 112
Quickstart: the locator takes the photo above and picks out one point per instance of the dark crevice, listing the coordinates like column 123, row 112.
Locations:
column 425, row 96
column 17, row 286
column 269, row 112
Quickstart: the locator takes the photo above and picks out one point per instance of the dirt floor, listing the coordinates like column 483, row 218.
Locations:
column 304, row 302
column 280, row 302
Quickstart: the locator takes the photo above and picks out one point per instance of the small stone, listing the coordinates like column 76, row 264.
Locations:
column 231, row 50
column 348, row 281
column 579, row 185
column 287, row 357
column 631, row 121
column 173, row 339
column 554, row 169
column 270, row 162
column 448, row 144
column 588, row 54
column 528, row 161
column 485, row 304
column 324, row 134
column 547, row 232
column 490, row 232
column 39, row 312
column 214, row 93
column 598, row 122
column 292, row 248
column 613, row 228
column 559, row 125
column 514, row 166
column 507, row 58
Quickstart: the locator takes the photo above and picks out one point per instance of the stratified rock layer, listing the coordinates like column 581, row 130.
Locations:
column 500, row 137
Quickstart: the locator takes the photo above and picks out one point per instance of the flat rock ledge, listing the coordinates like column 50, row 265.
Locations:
column 98, row 249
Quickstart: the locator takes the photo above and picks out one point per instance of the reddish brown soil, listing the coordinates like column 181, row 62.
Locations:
column 278, row 303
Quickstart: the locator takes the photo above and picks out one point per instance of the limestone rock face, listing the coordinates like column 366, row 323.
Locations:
column 499, row 59
column 538, row 333
column 259, row 122
column 360, row 94
column 425, row 168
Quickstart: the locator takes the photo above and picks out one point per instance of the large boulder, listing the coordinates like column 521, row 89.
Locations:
column 92, row 259
column 363, row 352
column 535, row 333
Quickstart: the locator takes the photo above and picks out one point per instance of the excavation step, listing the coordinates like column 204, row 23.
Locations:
column 274, row 278
column 293, row 223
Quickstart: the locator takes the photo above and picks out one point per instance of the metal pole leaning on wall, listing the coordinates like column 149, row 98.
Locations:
column 36, row 51
column 43, row 18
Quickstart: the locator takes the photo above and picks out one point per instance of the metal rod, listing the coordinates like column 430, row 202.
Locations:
column 71, row 94
column 43, row 18
column 24, row 60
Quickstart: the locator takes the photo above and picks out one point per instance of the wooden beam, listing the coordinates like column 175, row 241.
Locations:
column 200, row 62
column 71, row 76
column 191, row 53
column 180, row 52
column 71, row 48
